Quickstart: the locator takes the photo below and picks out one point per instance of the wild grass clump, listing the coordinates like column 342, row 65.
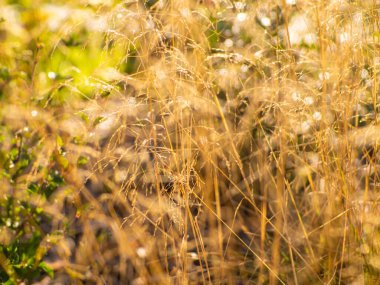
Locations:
column 189, row 142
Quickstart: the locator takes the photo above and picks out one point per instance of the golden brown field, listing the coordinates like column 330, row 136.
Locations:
column 189, row 142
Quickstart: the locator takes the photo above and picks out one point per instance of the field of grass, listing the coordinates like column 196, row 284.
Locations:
column 189, row 142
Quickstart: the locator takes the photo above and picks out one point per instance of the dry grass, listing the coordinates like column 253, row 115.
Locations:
column 227, row 143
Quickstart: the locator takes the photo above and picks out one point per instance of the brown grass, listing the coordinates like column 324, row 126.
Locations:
column 211, row 163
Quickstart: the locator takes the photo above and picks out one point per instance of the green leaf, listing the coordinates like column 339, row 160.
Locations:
column 84, row 117
column 62, row 161
column 82, row 160
column 34, row 187
column 4, row 73
column 59, row 141
column 13, row 154
column 9, row 282
column 150, row 3
column 105, row 94
column 98, row 120
column 47, row 269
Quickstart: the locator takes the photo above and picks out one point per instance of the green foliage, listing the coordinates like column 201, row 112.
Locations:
column 82, row 160
column 150, row 3
column 4, row 73
column 22, row 252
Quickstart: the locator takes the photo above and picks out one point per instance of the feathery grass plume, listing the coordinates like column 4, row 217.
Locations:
column 189, row 142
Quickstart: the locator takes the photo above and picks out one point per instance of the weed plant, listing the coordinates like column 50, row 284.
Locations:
column 189, row 142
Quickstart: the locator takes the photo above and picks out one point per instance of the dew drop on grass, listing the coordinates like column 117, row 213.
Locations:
column 52, row 75
column 258, row 54
column 8, row 222
column 364, row 73
column 193, row 255
column 241, row 17
column 229, row 43
column 265, row 21
column 305, row 127
column 308, row 101
column 317, row 116
column 296, row 96
column 244, row 68
column 141, row 252
column 34, row 113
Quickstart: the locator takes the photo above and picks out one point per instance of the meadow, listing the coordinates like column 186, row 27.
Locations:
column 189, row 142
